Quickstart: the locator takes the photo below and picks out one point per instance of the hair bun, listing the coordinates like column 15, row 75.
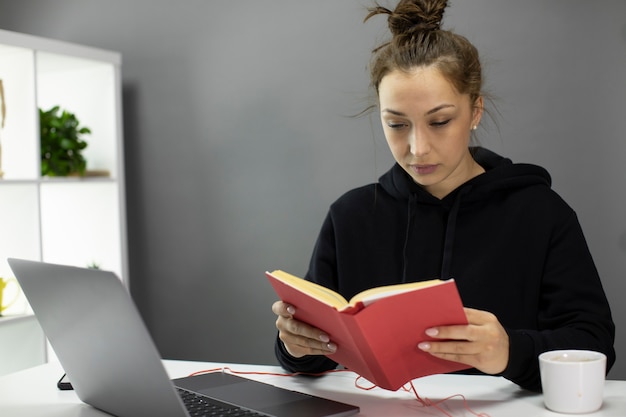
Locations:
column 414, row 16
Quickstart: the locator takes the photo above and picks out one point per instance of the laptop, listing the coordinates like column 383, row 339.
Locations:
column 113, row 364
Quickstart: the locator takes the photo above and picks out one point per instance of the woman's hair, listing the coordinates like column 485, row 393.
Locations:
column 419, row 41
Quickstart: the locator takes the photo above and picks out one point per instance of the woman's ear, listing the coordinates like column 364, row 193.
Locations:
column 477, row 111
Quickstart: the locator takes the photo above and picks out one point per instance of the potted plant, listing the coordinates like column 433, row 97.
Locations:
column 61, row 143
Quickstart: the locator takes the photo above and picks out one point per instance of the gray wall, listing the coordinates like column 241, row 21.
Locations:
column 237, row 137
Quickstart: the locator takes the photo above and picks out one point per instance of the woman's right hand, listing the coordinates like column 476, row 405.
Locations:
column 299, row 338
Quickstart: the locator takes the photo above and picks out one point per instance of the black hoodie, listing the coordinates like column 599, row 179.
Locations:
column 513, row 246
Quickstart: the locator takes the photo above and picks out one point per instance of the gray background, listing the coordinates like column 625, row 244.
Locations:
column 238, row 137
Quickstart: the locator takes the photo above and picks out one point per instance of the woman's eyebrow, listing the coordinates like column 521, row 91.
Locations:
column 431, row 111
column 440, row 107
column 394, row 112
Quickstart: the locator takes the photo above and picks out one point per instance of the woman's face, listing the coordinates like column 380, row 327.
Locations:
column 427, row 125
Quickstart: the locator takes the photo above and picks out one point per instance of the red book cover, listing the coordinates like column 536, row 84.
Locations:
column 377, row 331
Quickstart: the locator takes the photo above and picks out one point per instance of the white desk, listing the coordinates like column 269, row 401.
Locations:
column 33, row 393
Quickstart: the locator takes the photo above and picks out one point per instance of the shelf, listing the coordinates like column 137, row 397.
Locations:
column 80, row 240
column 15, row 318
column 83, row 87
column 34, row 79
column 61, row 180
column 67, row 220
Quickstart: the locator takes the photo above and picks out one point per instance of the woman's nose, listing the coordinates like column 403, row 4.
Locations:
column 418, row 143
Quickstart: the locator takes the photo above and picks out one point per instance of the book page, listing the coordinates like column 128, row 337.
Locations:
column 316, row 291
column 367, row 297
column 334, row 299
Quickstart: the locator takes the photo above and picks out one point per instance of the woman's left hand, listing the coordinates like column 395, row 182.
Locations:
column 482, row 343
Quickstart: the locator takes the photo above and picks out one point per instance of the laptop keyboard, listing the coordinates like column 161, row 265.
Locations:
column 201, row 406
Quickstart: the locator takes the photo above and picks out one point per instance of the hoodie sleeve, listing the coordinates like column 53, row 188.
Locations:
column 573, row 312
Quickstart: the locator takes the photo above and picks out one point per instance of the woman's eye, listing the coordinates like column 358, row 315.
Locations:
column 441, row 123
column 396, row 125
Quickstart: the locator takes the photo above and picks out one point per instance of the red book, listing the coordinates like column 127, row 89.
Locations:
column 378, row 330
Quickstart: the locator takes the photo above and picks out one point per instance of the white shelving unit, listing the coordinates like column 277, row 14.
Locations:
column 73, row 221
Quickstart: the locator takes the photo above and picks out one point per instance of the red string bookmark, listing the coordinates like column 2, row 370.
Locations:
column 425, row 402
column 428, row 403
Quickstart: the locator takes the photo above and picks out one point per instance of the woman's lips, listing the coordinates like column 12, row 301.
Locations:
column 423, row 169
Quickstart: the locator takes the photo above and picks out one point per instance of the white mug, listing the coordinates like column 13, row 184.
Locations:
column 572, row 380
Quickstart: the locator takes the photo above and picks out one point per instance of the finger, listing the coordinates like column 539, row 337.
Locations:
column 281, row 308
column 456, row 332
column 468, row 354
column 298, row 345
column 301, row 339
column 469, row 360
column 298, row 351
column 301, row 329
column 478, row 322
column 297, row 328
column 286, row 323
column 450, row 347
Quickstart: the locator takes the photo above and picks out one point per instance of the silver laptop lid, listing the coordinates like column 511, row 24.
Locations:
column 114, row 368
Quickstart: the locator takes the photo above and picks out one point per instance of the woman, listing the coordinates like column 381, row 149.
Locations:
column 449, row 210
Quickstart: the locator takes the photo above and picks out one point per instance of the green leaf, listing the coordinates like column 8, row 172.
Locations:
column 61, row 143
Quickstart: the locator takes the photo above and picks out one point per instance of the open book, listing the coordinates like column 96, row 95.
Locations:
column 378, row 330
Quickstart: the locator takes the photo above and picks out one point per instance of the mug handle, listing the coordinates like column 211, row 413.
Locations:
column 15, row 296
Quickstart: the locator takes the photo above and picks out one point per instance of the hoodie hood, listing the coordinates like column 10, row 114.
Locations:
column 501, row 176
